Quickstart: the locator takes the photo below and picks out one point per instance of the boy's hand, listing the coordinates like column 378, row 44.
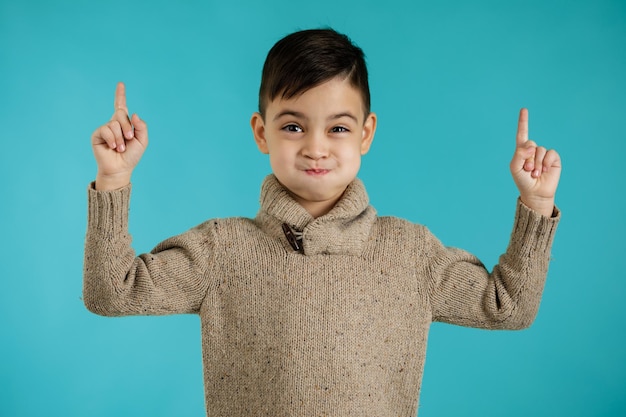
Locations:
column 535, row 170
column 118, row 145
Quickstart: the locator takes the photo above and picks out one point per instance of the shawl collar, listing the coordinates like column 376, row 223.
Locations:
column 343, row 230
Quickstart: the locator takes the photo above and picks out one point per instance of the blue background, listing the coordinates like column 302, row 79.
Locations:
column 448, row 79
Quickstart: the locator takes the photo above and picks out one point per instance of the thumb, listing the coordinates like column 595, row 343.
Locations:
column 141, row 130
column 523, row 154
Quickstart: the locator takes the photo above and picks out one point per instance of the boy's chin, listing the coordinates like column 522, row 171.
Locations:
column 313, row 195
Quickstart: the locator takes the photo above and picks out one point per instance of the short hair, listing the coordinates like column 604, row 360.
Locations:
column 308, row 58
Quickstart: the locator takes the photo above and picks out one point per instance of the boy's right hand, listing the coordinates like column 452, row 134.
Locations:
column 118, row 145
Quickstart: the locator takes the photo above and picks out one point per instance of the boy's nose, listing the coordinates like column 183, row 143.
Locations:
column 315, row 147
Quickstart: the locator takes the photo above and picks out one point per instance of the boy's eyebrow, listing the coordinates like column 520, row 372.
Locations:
column 344, row 114
column 300, row 115
column 296, row 114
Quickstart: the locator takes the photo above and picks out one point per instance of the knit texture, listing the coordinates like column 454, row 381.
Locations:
column 338, row 328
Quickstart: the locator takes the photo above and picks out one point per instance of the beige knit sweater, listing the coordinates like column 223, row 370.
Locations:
column 336, row 328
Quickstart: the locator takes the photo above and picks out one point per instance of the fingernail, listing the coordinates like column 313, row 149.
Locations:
column 122, row 147
column 129, row 134
column 536, row 173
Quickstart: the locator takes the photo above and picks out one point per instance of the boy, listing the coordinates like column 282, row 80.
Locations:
column 316, row 306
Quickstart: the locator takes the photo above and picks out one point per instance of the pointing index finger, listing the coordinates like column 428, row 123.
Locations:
column 120, row 97
column 522, row 127
column 122, row 118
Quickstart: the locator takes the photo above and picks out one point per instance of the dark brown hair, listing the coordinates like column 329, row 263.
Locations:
column 308, row 58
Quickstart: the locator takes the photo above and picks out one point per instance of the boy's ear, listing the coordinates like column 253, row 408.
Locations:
column 369, row 128
column 258, row 130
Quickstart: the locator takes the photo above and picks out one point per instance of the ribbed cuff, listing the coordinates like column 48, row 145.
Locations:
column 108, row 211
column 532, row 230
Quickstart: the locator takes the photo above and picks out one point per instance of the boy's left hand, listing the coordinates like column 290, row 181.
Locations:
column 536, row 170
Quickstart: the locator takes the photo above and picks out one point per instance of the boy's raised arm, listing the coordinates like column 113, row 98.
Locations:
column 536, row 170
column 170, row 279
column 463, row 291
column 118, row 145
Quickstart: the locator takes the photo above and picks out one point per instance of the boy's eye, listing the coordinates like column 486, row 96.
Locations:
column 339, row 129
column 292, row 128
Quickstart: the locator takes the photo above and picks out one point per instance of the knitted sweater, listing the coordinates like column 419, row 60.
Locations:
column 336, row 327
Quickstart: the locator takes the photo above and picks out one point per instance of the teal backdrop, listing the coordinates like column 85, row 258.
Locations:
column 447, row 80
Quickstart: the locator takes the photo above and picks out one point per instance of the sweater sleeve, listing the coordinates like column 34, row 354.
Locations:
column 171, row 279
column 463, row 292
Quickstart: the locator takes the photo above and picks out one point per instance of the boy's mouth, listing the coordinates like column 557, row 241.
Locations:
column 316, row 171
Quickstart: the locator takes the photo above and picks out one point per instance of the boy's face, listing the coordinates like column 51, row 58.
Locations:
column 315, row 142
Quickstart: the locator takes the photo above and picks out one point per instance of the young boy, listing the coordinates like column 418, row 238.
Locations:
column 316, row 307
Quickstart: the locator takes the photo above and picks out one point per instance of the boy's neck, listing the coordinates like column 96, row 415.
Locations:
column 316, row 208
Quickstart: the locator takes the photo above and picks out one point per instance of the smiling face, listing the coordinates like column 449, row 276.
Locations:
column 315, row 141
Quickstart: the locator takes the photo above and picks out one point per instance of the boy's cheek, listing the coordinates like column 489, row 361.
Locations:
column 278, row 162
